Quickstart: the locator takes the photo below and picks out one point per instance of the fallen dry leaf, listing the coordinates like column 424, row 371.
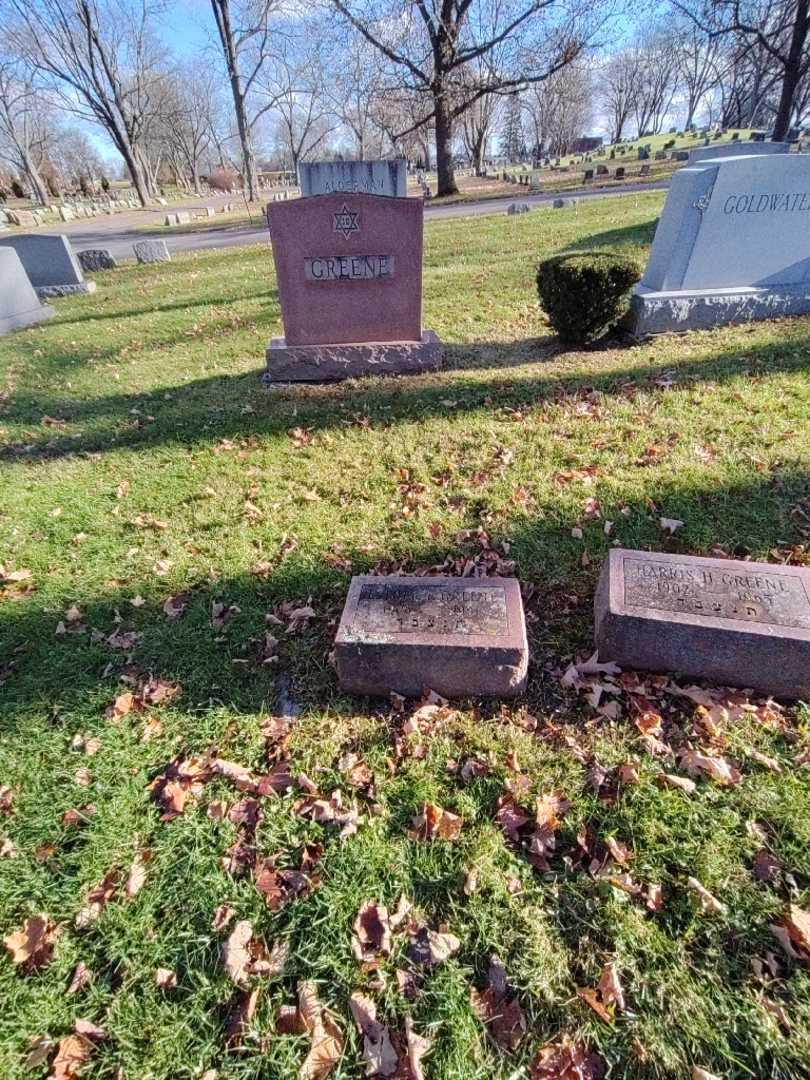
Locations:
column 32, row 947
column 372, row 931
column 430, row 947
column 72, row 1055
column 236, row 955
column 708, row 904
column 566, row 1060
column 326, row 1047
column 499, row 1009
column 607, row 992
column 716, row 768
column 435, row 822
column 418, row 1046
column 378, row 1050
column 241, row 1011
column 793, row 932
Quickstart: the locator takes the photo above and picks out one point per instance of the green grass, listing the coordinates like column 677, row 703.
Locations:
column 149, row 389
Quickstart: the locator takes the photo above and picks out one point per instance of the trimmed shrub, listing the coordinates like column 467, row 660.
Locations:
column 585, row 293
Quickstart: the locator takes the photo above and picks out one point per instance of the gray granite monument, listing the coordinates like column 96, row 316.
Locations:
column 733, row 623
column 19, row 304
column 354, row 177
column 151, row 251
column 49, row 263
column 96, row 259
column 733, row 149
column 731, row 245
column 461, row 637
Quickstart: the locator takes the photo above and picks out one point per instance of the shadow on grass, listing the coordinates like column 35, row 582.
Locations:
column 268, row 295
column 223, row 665
column 206, row 410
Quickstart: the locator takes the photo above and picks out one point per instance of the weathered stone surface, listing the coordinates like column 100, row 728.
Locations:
column 331, row 363
column 561, row 204
column 96, row 259
column 356, row 177
column 151, row 251
column 49, row 263
column 461, row 637
column 518, row 208
column 712, row 153
column 19, row 304
column 733, row 623
column 730, row 246
column 66, row 213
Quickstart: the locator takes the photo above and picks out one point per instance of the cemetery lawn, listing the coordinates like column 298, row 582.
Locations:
column 176, row 543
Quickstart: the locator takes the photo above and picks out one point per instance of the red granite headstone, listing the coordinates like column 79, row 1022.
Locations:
column 462, row 637
column 349, row 270
column 735, row 623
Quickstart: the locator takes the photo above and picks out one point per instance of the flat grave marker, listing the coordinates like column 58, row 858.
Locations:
column 731, row 622
column 151, row 251
column 462, row 637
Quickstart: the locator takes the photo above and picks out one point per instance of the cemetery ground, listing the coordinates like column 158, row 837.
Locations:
column 197, row 816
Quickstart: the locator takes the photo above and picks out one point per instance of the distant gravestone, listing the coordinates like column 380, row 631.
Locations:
column 354, row 177
column 681, row 155
column 96, row 259
column 660, row 155
column 644, row 170
column 49, row 263
column 561, row 204
column 519, row 208
column 459, row 637
column 19, row 304
column 712, row 153
column 619, row 174
column 731, row 245
column 602, row 170
column 151, row 251
column 66, row 213
column 587, row 176
column 734, row 623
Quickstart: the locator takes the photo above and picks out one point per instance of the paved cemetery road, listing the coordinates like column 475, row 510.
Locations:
column 119, row 233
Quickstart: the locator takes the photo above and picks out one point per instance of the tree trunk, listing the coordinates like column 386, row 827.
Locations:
column 248, row 157
column 39, row 190
column 793, row 72
column 135, row 170
column 478, row 155
column 446, row 184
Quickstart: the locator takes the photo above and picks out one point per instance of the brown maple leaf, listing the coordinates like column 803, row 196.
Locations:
column 372, row 931
column 499, row 1009
column 32, row 947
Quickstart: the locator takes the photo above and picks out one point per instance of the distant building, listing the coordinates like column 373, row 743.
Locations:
column 587, row 143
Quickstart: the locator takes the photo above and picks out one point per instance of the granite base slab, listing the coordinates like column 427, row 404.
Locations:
column 45, row 292
column 21, row 319
column 730, row 622
column 461, row 637
column 330, row 363
column 666, row 312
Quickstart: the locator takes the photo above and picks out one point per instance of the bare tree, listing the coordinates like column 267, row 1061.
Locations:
column 102, row 57
column 477, row 124
column 23, row 134
column 245, row 32
column 561, row 109
column 432, row 44
column 352, row 89
column 619, row 80
column 656, row 59
column 699, row 67
column 779, row 27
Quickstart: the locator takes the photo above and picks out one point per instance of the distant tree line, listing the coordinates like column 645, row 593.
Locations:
column 435, row 80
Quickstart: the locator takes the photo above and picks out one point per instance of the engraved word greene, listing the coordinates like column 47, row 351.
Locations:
column 758, row 596
column 349, row 267
column 391, row 609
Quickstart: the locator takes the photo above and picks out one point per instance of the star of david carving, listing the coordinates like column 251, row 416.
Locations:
column 346, row 221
